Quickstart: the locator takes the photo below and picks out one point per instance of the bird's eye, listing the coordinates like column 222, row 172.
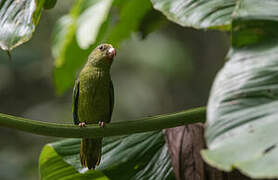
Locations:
column 101, row 48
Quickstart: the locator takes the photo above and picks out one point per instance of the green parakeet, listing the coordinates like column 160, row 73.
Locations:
column 93, row 100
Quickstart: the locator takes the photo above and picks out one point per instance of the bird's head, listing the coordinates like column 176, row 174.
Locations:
column 102, row 56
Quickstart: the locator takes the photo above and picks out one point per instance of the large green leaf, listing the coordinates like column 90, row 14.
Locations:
column 53, row 167
column 88, row 24
column 18, row 20
column 198, row 13
column 138, row 156
column 242, row 110
column 69, row 56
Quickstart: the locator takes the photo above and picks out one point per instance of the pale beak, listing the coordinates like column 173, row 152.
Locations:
column 111, row 53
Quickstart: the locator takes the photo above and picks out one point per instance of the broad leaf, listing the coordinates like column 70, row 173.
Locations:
column 53, row 167
column 138, row 156
column 242, row 110
column 198, row 13
column 88, row 24
column 69, row 56
column 18, row 20
column 90, row 21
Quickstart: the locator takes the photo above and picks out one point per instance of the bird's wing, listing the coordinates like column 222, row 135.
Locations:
column 111, row 97
column 75, row 96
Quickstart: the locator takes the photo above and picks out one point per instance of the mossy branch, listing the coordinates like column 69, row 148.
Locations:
column 112, row 129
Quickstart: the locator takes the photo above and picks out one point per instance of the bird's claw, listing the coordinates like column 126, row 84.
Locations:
column 101, row 124
column 82, row 124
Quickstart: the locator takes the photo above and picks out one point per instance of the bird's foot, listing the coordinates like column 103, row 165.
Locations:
column 101, row 124
column 82, row 124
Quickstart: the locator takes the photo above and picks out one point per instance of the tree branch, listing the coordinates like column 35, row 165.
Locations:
column 112, row 129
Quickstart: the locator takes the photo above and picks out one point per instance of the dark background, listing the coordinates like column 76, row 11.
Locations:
column 171, row 70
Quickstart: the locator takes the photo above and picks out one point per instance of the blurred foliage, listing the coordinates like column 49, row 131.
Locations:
column 137, row 156
column 153, row 76
column 73, row 30
column 88, row 24
column 242, row 103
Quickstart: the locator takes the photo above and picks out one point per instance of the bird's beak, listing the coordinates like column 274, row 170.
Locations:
column 111, row 53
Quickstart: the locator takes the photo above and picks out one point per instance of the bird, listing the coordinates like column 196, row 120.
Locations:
column 93, row 100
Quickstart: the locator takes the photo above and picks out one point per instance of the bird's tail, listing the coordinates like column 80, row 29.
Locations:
column 90, row 152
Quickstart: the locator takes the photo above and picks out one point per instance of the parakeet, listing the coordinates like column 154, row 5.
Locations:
column 93, row 100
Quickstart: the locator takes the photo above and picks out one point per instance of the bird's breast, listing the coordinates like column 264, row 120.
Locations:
column 94, row 100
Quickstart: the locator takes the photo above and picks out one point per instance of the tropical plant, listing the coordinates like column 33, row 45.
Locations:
column 241, row 113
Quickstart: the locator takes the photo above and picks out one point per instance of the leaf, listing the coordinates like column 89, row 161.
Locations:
column 130, row 17
column 69, row 56
column 50, row 159
column 242, row 110
column 49, row 4
column 88, row 24
column 18, row 19
column 138, row 156
column 198, row 13
column 90, row 21
column 150, row 22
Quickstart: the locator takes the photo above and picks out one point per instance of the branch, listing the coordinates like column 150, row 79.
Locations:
column 112, row 129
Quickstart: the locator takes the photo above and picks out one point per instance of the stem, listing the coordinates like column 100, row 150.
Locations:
column 118, row 128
